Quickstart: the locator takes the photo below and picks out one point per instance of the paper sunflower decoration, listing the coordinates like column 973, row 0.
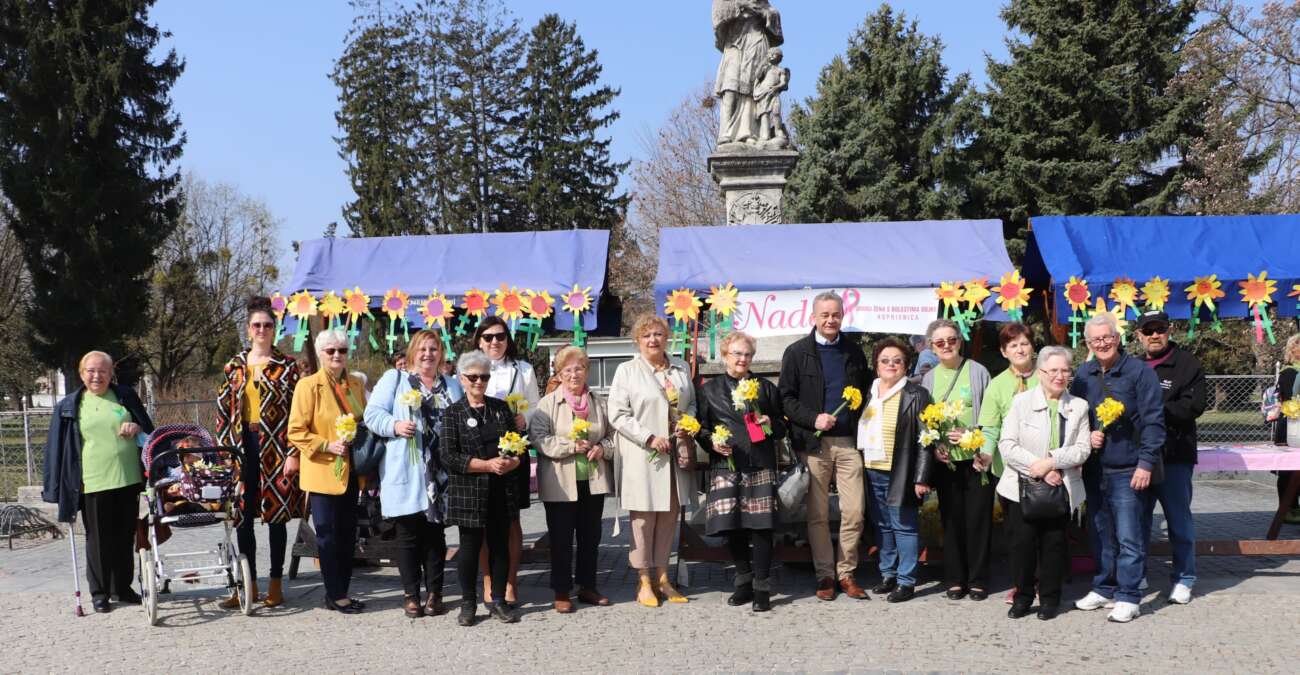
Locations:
column 683, row 306
column 1295, row 293
column 539, row 305
column 436, row 310
column 1202, row 293
column 331, row 306
column 395, row 303
column 1124, row 294
column 509, row 303
column 358, row 304
column 949, row 292
column 1077, row 294
column 1117, row 312
column 1257, row 292
column 977, row 290
column 722, row 299
column 576, row 301
column 1155, row 293
column 278, row 305
column 302, row 306
column 475, row 303
column 1013, row 295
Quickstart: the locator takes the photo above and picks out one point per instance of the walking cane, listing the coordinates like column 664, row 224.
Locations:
column 76, row 576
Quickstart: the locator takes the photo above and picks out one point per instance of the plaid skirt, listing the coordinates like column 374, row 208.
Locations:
column 740, row 500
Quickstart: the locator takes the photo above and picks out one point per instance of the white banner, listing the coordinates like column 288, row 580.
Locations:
column 873, row 310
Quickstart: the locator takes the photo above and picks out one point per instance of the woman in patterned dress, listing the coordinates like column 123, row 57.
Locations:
column 253, row 413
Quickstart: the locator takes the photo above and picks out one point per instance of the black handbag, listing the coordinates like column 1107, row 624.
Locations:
column 1040, row 501
column 366, row 449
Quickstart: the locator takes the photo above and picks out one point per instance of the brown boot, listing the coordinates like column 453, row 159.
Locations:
column 433, row 605
column 826, row 589
column 563, row 604
column 232, row 602
column 274, row 593
column 851, row 588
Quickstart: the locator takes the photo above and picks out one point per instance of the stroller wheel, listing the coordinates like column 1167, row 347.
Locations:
column 245, row 584
column 149, row 584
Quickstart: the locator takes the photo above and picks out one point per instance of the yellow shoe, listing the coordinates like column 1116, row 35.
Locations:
column 274, row 594
column 670, row 594
column 645, row 593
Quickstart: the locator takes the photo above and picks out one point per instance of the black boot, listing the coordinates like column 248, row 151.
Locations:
column 762, row 601
column 743, row 595
column 467, row 609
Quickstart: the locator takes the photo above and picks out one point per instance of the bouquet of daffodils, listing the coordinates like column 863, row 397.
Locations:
column 580, row 429
column 512, row 445
column 1291, row 409
column 721, row 434
column 852, row 398
column 745, row 398
column 412, row 400
column 941, row 418
column 345, row 430
column 1108, row 411
column 518, row 404
column 685, row 423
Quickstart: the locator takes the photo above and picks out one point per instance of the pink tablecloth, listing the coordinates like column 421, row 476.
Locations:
column 1247, row 458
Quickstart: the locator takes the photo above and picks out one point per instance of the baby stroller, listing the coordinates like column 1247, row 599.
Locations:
column 189, row 487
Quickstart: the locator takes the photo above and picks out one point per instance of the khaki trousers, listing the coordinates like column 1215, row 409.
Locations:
column 652, row 535
column 842, row 461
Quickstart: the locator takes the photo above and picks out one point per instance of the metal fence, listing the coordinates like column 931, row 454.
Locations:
column 1232, row 416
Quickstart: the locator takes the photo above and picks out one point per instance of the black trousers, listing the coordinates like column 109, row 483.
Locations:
column 110, row 518
column 335, row 520
column 966, row 510
column 496, row 535
column 1039, row 550
column 421, row 553
column 564, row 520
column 1283, row 478
column 759, row 564
column 250, row 472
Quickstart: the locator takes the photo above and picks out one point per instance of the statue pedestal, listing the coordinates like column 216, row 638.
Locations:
column 752, row 180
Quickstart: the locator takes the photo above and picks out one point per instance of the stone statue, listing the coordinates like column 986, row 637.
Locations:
column 767, row 100
column 745, row 31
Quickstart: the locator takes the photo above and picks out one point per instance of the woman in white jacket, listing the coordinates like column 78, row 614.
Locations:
column 1044, row 438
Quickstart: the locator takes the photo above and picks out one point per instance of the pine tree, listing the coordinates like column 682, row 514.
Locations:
column 380, row 114
column 1082, row 119
column 484, row 51
column 87, row 140
column 569, row 180
column 880, row 138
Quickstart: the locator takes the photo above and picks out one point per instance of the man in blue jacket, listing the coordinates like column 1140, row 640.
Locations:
column 1126, row 460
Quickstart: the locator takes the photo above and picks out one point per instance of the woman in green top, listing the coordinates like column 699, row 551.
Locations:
column 92, row 460
column 965, row 492
column 1017, row 343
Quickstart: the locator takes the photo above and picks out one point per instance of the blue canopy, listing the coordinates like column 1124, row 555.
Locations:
column 455, row 263
column 832, row 255
column 1101, row 249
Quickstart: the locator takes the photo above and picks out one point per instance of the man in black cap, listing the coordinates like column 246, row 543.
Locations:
column 1183, row 383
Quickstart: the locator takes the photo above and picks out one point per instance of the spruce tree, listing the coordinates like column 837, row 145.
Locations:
column 87, row 142
column 380, row 115
column 484, row 51
column 1083, row 118
column 436, row 137
column 880, row 138
column 569, row 180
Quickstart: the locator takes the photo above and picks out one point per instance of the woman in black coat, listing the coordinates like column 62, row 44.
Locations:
column 92, row 464
column 897, row 467
column 481, row 490
column 742, row 478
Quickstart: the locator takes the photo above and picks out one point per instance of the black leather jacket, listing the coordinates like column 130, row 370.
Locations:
column 713, row 401
column 912, row 463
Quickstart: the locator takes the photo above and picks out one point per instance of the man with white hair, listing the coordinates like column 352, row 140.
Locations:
column 1126, row 460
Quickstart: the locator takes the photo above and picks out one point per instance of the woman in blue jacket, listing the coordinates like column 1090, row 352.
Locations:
column 412, row 482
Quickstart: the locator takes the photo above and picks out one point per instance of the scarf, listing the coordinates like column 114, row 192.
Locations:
column 580, row 404
column 870, row 426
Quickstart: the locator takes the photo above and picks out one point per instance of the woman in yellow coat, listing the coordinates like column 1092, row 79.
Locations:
column 326, row 469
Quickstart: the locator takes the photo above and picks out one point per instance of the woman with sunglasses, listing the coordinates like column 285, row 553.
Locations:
column 965, row 492
column 326, row 475
column 252, row 407
column 510, row 375
column 481, row 499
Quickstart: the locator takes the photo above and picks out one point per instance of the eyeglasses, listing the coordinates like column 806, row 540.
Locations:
column 258, row 325
column 1056, row 372
column 493, row 337
column 331, row 351
column 476, row 377
column 741, row 355
column 897, row 361
column 1102, row 341
column 945, row 342
column 1160, row 329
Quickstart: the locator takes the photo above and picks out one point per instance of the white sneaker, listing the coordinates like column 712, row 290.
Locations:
column 1143, row 585
column 1124, row 612
column 1181, row 595
column 1093, row 600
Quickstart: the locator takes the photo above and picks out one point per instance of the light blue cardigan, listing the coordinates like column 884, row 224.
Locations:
column 401, row 484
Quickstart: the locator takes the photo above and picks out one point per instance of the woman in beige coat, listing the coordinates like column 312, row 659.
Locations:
column 1044, row 437
column 573, row 476
column 646, row 399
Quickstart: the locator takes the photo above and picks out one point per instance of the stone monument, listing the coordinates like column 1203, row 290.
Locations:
column 753, row 156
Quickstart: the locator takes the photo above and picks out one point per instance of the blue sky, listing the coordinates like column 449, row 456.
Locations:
column 258, row 106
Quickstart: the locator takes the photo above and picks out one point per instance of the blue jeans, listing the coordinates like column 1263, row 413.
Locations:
column 1116, row 514
column 896, row 533
column 1175, row 497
